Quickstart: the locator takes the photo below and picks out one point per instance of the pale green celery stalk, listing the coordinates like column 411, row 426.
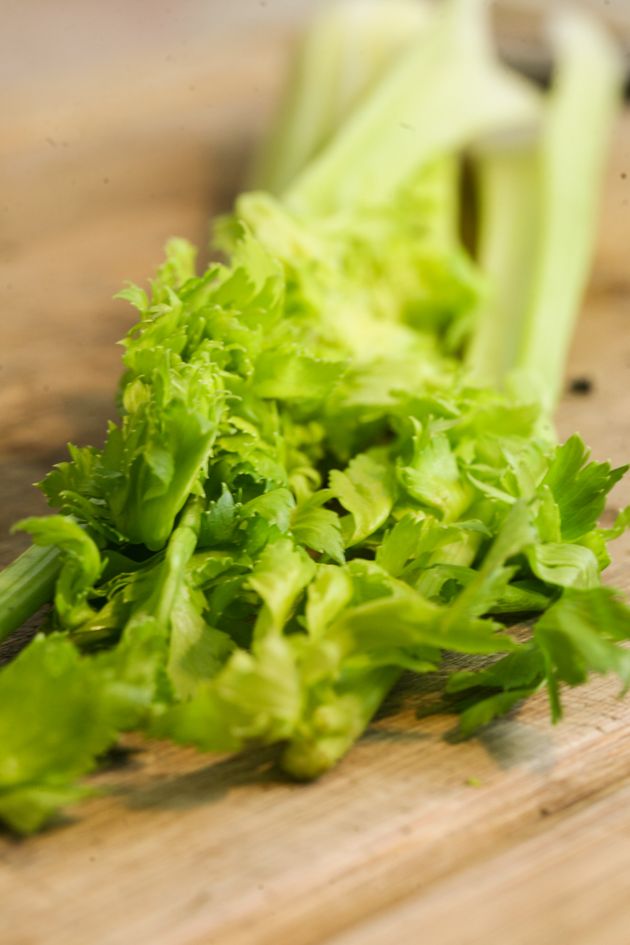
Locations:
column 447, row 90
column 507, row 185
column 538, row 219
column 26, row 585
column 343, row 54
column 583, row 103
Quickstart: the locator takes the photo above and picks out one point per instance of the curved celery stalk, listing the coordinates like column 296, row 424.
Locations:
column 447, row 90
column 581, row 110
column 346, row 50
column 25, row 585
column 538, row 201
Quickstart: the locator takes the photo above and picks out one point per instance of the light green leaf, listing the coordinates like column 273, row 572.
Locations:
column 366, row 490
column 317, row 528
column 279, row 578
column 564, row 565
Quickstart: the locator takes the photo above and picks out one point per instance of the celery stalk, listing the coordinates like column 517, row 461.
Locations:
column 582, row 106
column 538, row 200
column 347, row 50
column 446, row 91
column 507, row 183
column 26, row 585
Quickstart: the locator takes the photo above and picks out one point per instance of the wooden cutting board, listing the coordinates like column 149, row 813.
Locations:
column 520, row 835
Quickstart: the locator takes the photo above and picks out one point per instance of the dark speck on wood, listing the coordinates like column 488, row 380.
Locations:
column 581, row 385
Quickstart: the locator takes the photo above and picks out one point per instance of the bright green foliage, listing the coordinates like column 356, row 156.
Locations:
column 64, row 722
column 578, row 635
column 579, row 487
column 307, row 492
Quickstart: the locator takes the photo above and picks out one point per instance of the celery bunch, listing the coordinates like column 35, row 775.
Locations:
column 335, row 459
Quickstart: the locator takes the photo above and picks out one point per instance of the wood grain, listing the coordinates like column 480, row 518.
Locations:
column 566, row 882
column 184, row 849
